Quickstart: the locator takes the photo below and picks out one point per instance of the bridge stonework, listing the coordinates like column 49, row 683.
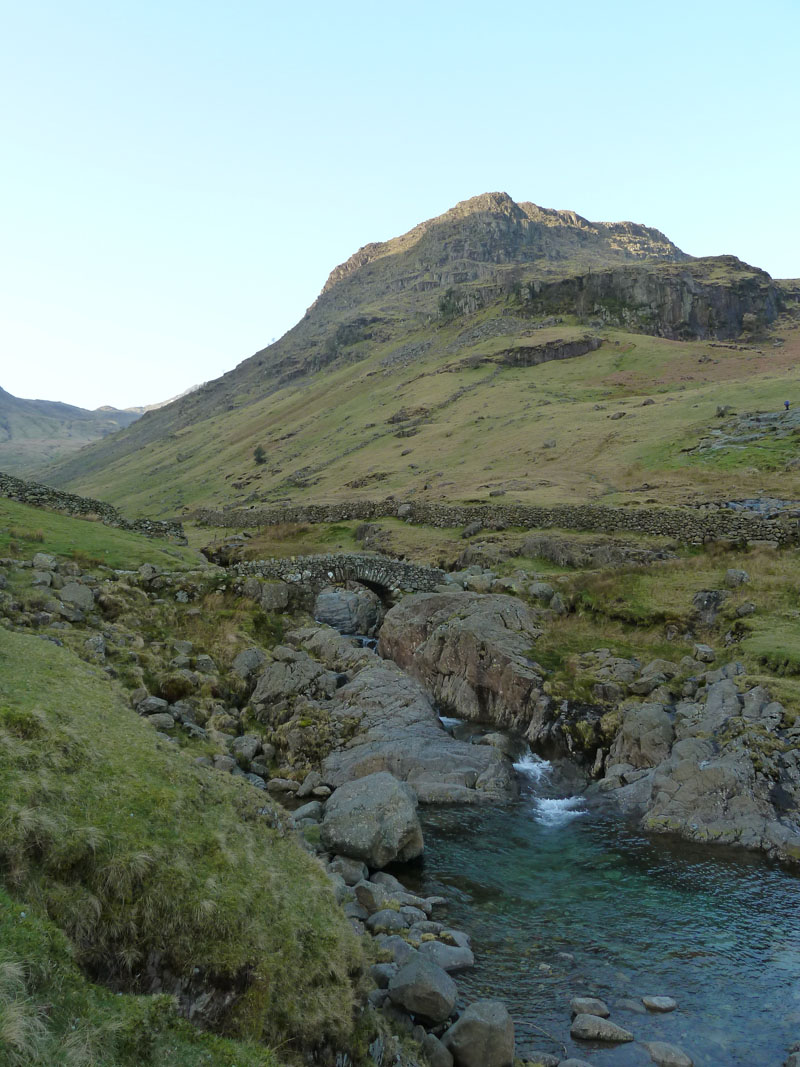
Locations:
column 377, row 572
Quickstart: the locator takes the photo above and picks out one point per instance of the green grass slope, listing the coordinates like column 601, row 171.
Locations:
column 141, row 858
column 51, row 1014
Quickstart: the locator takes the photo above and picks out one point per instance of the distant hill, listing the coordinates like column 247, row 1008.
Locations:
column 440, row 335
column 34, row 433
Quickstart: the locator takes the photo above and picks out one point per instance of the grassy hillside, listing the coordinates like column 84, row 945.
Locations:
column 442, row 416
column 50, row 1013
column 25, row 530
column 432, row 366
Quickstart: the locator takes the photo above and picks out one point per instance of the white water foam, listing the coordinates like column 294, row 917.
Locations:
column 553, row 811
column 533, row 767
column 448, row 722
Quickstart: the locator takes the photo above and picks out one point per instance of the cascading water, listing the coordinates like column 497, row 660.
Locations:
column 548, row 810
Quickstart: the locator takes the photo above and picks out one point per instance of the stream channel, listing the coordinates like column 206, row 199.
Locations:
column 564, row 899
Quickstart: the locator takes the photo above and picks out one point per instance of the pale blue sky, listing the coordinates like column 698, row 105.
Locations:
column 180, row 177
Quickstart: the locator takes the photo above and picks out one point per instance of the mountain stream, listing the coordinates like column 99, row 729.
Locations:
column 564, row 899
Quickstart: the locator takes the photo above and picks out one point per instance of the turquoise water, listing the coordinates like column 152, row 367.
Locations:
column 561, row 904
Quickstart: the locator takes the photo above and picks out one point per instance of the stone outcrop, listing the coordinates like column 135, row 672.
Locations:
column 468, row 241
column 721, row 765
column 474, row 652
column 714, row 297
column 343, row 707
column 398, row 730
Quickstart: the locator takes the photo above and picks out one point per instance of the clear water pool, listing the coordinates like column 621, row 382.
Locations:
column 563, row 901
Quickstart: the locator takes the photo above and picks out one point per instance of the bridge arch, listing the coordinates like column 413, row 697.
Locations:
column 384, row 576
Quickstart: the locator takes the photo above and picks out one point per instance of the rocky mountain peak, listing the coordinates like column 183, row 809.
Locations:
column 476, row 237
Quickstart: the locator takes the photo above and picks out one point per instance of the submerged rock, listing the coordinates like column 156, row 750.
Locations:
column 593, row 1028
column 660, row 1004
column 666, row 1055
column 589, row 1006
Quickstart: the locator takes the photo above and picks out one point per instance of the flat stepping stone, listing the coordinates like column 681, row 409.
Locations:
column 666, row 1055
column 593, row 1028
column 659, row 1003
column 589, row 1006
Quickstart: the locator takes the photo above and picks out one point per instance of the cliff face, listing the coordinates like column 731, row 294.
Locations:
column 717, row 297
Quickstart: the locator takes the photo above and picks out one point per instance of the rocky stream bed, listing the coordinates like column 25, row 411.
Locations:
column 564, row 895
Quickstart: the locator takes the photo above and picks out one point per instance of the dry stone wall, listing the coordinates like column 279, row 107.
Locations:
column 687, row 525
column 83, row 507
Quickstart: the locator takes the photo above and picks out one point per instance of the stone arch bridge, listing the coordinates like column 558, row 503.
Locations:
column 384, row 576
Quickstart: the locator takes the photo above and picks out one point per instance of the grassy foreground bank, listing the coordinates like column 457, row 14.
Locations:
column 120, row 859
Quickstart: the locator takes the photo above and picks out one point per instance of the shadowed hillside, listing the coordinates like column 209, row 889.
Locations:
column 35, row 432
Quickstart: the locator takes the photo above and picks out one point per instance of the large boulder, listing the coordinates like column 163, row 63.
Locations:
column 424, row 989
column 482, row 1037
column 350, row 611
column 248, row 663
column 81, row 596
column 373, row 819
column 474, row 652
